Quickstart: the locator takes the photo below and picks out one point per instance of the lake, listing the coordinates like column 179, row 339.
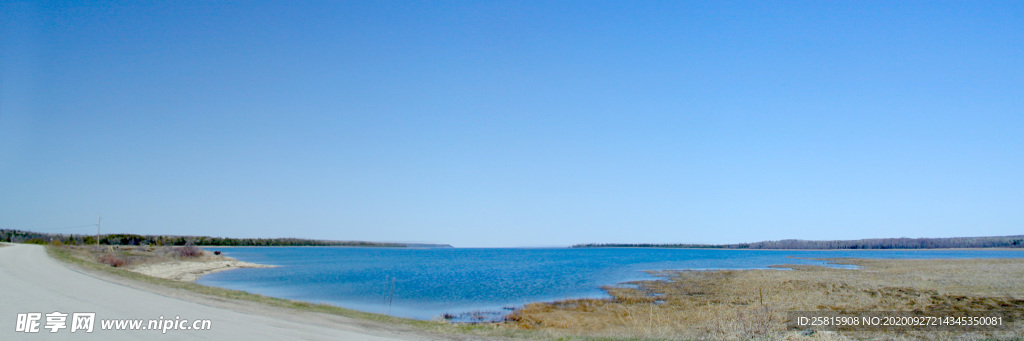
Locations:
column 427, row 283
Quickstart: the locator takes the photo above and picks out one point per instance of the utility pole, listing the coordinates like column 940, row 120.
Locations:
column 99, row 218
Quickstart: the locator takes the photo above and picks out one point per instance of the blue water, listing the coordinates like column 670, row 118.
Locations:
column 426, row 283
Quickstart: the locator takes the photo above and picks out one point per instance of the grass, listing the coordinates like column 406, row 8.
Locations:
column 86, row 257
column 753, row 304
column 126, row 256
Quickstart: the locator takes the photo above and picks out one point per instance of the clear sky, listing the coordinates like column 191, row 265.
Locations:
column 514, row 123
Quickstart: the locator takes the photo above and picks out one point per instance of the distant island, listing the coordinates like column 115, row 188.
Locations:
column 29, row 237
column 1016, row 241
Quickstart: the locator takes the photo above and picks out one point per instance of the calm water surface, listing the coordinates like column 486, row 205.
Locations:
column 426, row 283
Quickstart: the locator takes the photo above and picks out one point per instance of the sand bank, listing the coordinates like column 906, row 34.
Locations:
column 191, row 270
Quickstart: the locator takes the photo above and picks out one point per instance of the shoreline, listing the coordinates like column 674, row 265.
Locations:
column 55, row 279
column 737, row 249
column 191, row 270
column 827, row 261
column 754, row 303
column 337, row 320
column 735, row 300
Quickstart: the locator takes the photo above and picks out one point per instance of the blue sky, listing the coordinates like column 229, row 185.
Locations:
column 515, row 123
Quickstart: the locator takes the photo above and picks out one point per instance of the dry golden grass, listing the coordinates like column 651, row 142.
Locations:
column 753, row 304
column 129, row 256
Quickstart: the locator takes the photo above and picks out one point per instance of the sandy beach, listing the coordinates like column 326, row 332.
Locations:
column 191, row 270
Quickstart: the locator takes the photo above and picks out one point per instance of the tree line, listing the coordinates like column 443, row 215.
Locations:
column 19, row 236
column 860, row 244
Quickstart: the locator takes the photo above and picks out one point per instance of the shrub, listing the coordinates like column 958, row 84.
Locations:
column 113, row 260
column 188, row 251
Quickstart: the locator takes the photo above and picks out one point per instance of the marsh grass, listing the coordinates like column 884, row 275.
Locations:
column 753, row 304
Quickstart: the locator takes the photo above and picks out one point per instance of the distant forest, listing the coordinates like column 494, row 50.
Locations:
column 18, row 236
column 869, row 244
